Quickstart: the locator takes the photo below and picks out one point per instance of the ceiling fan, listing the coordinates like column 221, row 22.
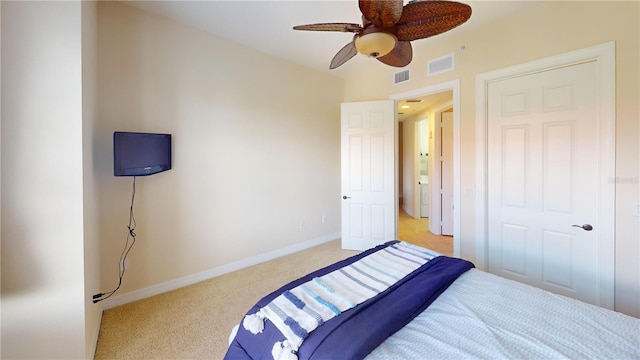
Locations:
column 388, row 27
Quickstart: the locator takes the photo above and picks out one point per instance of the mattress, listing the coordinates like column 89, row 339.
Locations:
column 484, row 316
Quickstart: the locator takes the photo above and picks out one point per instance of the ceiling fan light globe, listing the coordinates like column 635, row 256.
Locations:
column 375, row 44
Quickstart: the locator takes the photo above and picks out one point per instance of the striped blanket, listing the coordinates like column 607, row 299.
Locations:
column 300, row 310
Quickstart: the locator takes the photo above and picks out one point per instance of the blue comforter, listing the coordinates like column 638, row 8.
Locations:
column 356, row 332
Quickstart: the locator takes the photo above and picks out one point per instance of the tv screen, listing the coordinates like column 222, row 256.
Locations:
column 140, row 154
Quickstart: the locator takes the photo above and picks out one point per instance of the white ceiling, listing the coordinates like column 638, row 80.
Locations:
column 266, row 25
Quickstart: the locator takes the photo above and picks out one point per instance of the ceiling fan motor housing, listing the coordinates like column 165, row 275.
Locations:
column 375, row 44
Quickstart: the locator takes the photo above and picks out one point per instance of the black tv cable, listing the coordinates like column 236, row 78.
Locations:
column 131, row 235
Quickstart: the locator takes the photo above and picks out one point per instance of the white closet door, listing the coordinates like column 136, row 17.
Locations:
column 542, row 151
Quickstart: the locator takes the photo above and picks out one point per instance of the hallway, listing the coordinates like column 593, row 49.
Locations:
column 416, row 231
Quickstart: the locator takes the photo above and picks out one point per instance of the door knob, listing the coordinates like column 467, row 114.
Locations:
column 585, row 227
column 346, row 197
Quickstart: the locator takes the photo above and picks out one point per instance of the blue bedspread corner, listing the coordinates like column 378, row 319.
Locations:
column 364, row 328
column 356, row 332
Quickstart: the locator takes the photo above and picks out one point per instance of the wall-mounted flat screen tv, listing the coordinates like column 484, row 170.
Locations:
column 140, row 154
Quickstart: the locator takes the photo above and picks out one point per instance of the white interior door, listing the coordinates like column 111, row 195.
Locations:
column 368, row 173
column 446, row 161
column 541, row 181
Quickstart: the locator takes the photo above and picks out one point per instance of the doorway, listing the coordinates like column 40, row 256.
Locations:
column 417, row 186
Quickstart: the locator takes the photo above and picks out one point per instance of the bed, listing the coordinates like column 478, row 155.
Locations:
column 443, row 308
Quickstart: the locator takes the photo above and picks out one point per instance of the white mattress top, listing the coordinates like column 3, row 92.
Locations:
column 483, row 316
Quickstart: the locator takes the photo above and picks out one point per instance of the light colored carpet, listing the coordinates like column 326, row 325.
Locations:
column 194, row 322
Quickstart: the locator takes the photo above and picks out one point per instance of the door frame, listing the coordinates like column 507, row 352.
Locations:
column 604, row 56
column 454, row 87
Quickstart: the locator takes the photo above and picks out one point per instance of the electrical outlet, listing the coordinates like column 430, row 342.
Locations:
column 302, row 225
column 324, row 219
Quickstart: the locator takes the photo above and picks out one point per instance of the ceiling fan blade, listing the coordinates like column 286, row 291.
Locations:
column 381, row 12
column 342, row 27
column 422, row 19
column 400, row 56
column 346, row 53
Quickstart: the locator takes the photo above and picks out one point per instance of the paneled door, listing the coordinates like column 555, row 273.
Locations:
column 542, row 184
column 368, row 173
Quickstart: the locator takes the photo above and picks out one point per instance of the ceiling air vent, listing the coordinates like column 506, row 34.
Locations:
column 401, row 76
column 440, row 65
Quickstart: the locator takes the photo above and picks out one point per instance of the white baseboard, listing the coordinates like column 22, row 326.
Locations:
column 211, row 273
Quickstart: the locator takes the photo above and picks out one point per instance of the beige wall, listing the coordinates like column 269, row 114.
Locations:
column 44, row 304
column 544, row 30
column 256, row 149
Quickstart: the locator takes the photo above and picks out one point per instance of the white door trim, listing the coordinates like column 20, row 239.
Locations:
column 454, row 86
column 604, row 55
